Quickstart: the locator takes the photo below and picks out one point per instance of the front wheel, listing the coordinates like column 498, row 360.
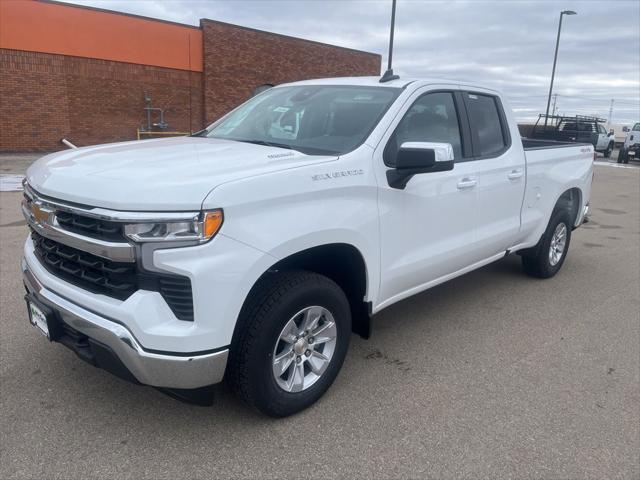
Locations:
column 292, row 340
column 546, row 258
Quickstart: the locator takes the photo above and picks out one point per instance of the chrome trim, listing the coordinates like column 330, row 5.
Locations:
column 111, row 215
column 47, row 226
column 169, row 370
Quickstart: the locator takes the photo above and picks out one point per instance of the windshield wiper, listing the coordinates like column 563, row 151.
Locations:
column 200, row 133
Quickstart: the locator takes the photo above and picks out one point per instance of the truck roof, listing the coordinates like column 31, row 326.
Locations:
column 360, row 81
column 375, row 82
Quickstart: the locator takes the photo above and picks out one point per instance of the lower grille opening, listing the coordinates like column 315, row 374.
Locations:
column 114, row 279
column 176, row 291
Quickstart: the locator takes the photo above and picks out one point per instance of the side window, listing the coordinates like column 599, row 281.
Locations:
column 486, row 125
column 432, row 118
column 601, row 129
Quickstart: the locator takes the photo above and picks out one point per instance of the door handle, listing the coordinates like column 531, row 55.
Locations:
column 466, row 183
column 514, row 175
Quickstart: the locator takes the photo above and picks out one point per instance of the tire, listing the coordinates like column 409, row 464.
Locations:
column 539, row 261
column 279, row 299
column 608, row 150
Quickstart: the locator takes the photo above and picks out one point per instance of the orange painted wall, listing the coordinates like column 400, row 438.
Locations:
column 37, row 26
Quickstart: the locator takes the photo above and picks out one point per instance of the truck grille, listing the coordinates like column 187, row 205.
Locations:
column 114, row 279
column 91, row 227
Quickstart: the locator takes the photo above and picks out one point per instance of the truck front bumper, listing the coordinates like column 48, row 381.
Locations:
column 111, row 346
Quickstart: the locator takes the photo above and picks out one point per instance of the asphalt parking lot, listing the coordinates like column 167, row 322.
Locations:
column 492, row 375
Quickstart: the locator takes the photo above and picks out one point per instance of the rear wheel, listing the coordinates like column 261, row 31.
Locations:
column 546, row 258
column 292, row 340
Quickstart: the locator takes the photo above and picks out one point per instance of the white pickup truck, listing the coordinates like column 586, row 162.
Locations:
column 253, row 249
column 631, row 145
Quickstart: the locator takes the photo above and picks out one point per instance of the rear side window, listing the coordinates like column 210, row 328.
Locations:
column 486, row 124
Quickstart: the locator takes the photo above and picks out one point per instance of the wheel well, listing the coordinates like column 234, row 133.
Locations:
column 342, row 263
column 570, row 200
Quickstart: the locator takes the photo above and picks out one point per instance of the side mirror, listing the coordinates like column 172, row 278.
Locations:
column 415, row 158
column 625, row 129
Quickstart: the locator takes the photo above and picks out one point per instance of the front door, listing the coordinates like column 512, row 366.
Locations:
column 603, row 138
column 427, row 229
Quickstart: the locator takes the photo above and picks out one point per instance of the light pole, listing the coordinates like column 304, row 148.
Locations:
column 555, row 59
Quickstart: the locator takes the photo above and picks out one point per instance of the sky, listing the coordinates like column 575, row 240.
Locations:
column 506, row 44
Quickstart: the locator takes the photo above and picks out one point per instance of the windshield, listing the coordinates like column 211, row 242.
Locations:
column 314, row 119
column 636, row 126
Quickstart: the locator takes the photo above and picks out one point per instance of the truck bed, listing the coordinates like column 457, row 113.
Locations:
column 538, row 144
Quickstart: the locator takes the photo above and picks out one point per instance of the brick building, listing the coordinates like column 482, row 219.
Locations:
column 82, row 73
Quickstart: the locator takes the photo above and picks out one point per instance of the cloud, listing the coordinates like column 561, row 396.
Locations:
column 506, row 44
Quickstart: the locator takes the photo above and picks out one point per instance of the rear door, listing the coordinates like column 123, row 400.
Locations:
column 501, row 173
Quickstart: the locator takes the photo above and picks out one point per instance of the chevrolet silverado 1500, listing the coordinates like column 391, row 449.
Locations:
column 251, row 250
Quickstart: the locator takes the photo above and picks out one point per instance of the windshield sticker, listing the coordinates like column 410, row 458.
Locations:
column 281, row 109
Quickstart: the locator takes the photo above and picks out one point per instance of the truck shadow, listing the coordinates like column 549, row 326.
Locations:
column 437, row 310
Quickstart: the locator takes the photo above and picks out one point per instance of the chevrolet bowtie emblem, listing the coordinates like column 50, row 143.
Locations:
column 39, row 214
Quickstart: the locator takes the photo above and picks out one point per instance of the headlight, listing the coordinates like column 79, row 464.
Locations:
column 198, row 229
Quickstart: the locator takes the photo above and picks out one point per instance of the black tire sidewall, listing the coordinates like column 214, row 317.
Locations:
column 560, row 216
column 269, row 397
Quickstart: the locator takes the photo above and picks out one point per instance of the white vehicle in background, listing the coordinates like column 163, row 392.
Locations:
column 606, row 141
column 631, row 147
column 250, row 251
column 619, row 132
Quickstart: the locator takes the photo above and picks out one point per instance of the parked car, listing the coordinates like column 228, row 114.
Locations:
column 251, row 251
column 577, row 128
column 631, row 145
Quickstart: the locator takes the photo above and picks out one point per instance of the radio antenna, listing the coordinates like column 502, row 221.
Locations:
column 388, row 75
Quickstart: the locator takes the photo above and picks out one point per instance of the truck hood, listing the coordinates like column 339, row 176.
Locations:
column 156, row 175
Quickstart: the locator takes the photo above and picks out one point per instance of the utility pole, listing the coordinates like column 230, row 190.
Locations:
column 610, row 113
column 555, row 59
